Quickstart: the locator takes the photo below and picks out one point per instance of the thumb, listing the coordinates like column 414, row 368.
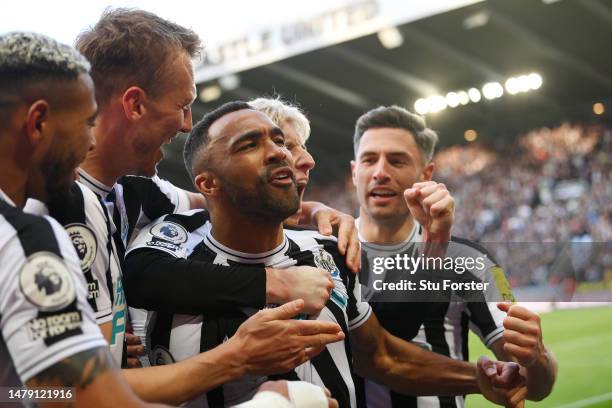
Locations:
column 286, row 311
column 487, row 365
column 504, row 307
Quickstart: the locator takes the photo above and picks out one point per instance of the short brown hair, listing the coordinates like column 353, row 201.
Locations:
column 131, row 47
column 399, row 118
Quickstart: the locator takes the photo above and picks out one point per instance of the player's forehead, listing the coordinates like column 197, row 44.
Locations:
column 238, row 123
column 387, row 140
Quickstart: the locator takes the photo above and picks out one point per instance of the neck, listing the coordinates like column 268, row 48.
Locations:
column 14, row 174
column 256, row 234
column 390, row 231
column 106, row 161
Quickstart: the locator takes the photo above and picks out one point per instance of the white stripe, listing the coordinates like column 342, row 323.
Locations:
column 588, row 401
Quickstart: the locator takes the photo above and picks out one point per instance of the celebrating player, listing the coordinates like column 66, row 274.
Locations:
column 401, row 206
column 239, row 162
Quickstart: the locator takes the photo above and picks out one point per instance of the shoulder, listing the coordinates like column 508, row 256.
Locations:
column 465, row 247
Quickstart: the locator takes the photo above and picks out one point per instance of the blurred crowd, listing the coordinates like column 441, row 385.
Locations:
column 547, row 196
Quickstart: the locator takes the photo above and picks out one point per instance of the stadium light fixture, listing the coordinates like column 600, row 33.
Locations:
column 491, row 90
column 390, row 37
column 210, row 93
column 599, row 108
column 470, row 135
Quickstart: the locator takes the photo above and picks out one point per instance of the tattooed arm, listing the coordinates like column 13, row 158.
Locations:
column 97, row 382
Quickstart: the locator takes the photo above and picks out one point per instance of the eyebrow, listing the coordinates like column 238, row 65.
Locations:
column 393, row 154
column 257, row 134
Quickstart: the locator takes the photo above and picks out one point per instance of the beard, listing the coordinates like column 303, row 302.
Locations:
column 58, row 177
column 263, row 199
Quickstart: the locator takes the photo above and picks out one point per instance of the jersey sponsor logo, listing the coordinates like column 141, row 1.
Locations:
column 161, row 356
column 84, row 242
column 46, row 282
column 49, row 327
column 170, row 232
column 93, row 289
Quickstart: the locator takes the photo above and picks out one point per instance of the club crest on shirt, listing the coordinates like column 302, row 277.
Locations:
column 169, row 232
column 325, row 260
column 85, row 243
column 46, row 282
column 161, row 356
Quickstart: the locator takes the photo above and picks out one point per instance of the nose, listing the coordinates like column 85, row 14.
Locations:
column 304, row 161
column 276, row 153
column 187, row 121
column 380, row 171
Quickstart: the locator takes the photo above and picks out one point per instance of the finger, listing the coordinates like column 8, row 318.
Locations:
column 520, row 339
column 324, row 223
column 522, row 313
column 312, row 352
column 353, row 254
column 333, row 403
column 487, row 366
column 504, row 307
column 133, row 362
column 522, row 354
column 434, row 198
column 423, row 184
column 320, row 340
column 519, row 325
column 509, row 376
column 327, row 392
column 132, row 339
column 135, row 350
column 444, row 206
column 346, row 229
column 285, row 311
column 314, row 327
column 428, row 190
column 411, row 197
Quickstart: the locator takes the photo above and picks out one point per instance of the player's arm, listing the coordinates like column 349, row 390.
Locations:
column 159, row 278
column 522, row 342
column 407, row 368
column 254, row 349
column 97, row 382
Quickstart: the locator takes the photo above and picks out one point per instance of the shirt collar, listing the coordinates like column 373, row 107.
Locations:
column 96, row 186
column 6, row 198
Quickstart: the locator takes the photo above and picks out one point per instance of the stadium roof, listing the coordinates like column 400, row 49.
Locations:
column 563, row 41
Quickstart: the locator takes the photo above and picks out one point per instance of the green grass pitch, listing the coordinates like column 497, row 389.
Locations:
column 581, row 339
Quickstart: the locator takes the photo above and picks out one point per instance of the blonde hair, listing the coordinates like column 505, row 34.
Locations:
column 280, row 111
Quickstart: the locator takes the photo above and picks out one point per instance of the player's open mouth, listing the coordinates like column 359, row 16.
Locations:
column 382, row 192
column 282, row 177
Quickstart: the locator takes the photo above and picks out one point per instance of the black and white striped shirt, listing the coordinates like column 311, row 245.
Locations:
column 44, row 313
column 441, row 327
column 89, row 226
column 175, row 337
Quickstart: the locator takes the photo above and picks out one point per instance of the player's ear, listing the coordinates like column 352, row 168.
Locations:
column 427, row 172
column 207, row 183
column 132, row 101
column 37, row 124
column 353, row 172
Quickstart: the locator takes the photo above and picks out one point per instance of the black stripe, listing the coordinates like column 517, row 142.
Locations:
column 434, row 334
column 71, row 210
column 159, row 331
column 330, row 375
column 35, row 233
column 465, row 331
column 210, row 337
column 481, row 316
column 190, row 222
